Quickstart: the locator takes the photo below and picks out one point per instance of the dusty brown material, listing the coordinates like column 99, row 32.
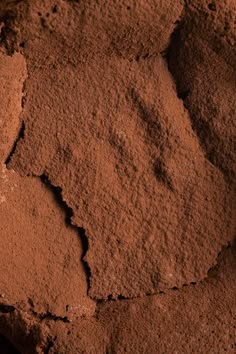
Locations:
column 118, row 142
column 117, row 180
column 195, row 64
column 13, row 75
column 199, row 318
column 45, row 253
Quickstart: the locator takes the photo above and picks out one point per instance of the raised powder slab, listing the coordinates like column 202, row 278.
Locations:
column 12, row 76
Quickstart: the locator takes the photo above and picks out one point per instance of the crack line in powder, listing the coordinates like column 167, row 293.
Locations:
column 21, row 132
column 21, row 318
column 210, row 274
column 57, row 192
column 19, row 137
column 49, row 316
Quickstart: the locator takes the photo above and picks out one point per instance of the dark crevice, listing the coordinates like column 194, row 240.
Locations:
column 212, row 6
column 48, row 347
column 21, row 133
column 162, row 175
column 171, row 58
column 114, row 298
column 183, row 95
column 76, row 1
column 21, row 330
column 49, row 316
column 85, row 246
column 43, row 22
column 57, row 193
column 55, row 9
column 211, row 144
column 24, row 335
column 6, row 347
column 20, row 136
column 213, row 270
column 6, row 308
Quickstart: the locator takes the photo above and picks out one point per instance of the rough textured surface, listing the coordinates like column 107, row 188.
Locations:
column 46, row 252
column 105, row 130
column 97, row 156
column 13, row 74
column 117, row 205
column 197, row 319
column 195, row 64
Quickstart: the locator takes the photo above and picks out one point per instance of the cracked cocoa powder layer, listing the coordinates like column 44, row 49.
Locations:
column 117, row 177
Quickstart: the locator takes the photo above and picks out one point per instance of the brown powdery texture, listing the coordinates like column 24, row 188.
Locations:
column 117, row 180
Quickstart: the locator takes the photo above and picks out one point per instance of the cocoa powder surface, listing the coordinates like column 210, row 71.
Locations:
column 117, row 178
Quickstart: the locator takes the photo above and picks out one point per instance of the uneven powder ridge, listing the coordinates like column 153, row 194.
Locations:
column 117, row 176
column 13, row 74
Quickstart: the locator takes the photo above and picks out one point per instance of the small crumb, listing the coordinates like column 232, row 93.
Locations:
column 2, row 199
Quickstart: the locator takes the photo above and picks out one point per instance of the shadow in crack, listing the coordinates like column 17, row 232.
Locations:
column 57, row 193
column 6, row 347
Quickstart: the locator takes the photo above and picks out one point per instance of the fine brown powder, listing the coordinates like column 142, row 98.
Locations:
column 117, row 176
